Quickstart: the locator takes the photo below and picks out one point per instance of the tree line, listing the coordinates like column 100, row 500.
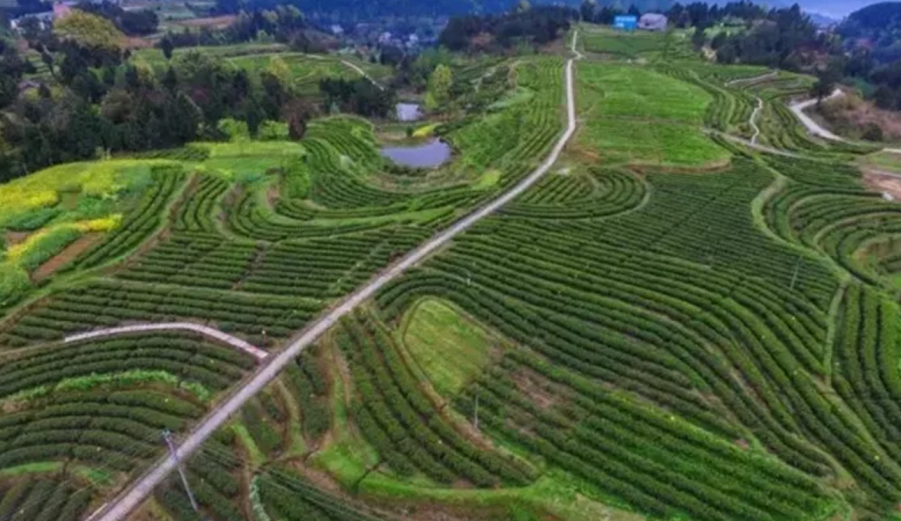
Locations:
column 528, row 25
column 99, row 100
column 863, row 50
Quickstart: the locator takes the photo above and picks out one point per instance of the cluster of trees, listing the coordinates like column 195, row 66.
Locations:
column 788, row 39
column 780, row 39
column 876, row 28
column 133, row 23
column 873, row 53
column 284, row 24
column 24, row 7
column 524, row 25
column 99, row 101
column 359, row 96
column 702, row 14
column 590, row 12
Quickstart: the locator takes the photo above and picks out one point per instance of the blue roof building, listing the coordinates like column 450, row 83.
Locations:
column 625, row 23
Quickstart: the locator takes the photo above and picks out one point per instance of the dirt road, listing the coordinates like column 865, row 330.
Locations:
column 363, row 73
column 118, row 508
column 812, row 126
column 237, row 343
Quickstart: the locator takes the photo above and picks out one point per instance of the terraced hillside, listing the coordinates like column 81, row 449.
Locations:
column 250, row 240
column 692, row 316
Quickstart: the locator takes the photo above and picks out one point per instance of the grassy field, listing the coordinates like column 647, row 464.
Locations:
column 306, row 70
column 447, row 346
column 883, row 161
column 638, row 45
column 636, row 115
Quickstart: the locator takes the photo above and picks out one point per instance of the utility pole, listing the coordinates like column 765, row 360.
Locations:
column 795, row 274
column 181, row 472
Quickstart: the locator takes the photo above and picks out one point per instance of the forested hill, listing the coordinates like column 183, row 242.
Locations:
column 883, row 16
column 876, row 27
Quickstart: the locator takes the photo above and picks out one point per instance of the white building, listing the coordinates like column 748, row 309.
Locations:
column 652, row 22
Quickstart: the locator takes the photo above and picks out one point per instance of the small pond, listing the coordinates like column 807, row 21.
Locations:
column 430, row 155
column 407, row 112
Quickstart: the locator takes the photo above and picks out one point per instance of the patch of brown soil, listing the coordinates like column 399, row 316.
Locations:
column 70, row 253
column 215, row 22
column 849, row 115
column 13, row 238
column 273, row 194
column 537, row 387
column 584, row 153
column 884, row 183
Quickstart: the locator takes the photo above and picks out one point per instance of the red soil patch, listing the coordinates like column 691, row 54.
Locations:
column 884, row 183
column 13, row 238
column 66, row 256
column 537, row 387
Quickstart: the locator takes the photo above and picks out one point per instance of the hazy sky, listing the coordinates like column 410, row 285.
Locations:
column 834, row 8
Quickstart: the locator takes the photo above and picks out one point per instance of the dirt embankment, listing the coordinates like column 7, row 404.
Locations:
column 855, row 118
column 884, row 183
column 70, row 253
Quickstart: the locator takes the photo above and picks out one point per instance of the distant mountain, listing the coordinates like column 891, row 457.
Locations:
column 833, row 8
column 823, row 20
column 884, row 16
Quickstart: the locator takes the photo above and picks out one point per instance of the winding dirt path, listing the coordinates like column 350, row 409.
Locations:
column 119, row 507
column 753, row 120
column 362, row 73
column 752, row 80
column 235, row 342
column 812, row 126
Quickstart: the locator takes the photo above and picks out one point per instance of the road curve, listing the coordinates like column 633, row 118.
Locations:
column 362, row 73
column 128, row 500
column 753, row 120
column 812, row 126
column 237, row 343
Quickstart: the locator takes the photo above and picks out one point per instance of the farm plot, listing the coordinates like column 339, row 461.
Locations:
column 632, row 308
column 781, row 129
column 730, row 109
column 403, row 424
column 714, row 345
column 639, row 116
column 823, row 207
column 642, row 45
column 79, row 417
column 117, row 203
column 43, row 498
column 519, row 136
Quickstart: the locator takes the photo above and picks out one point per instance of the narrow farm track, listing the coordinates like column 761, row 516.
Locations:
column 237, row 343
column 129, row 499
column 753, row 121
column 816, row 129
column 755, row 79
column 362, row 73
